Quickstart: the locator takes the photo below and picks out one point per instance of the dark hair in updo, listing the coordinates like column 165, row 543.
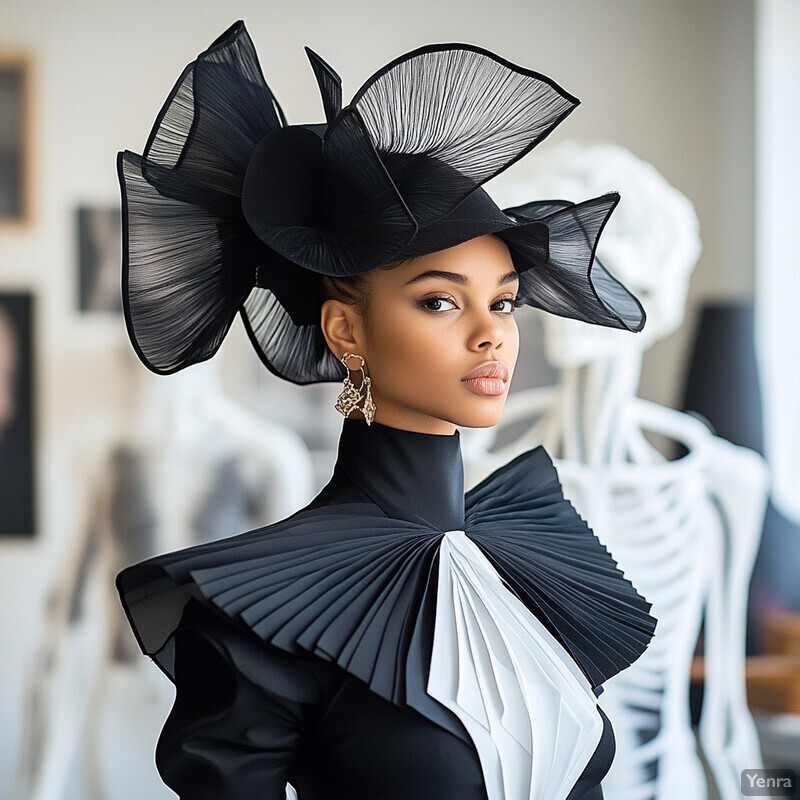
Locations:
column 351, row 289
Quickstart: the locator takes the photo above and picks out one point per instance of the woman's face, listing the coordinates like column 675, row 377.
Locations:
column 429, row 325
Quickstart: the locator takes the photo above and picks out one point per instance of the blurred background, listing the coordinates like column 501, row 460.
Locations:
column 705, row 92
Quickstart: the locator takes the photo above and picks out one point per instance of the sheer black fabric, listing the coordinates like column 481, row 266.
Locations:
column 559, row 273
column 219, row 109
column 229, row 209
column 179, row 297
column 285, row 347
column 446, row 118
column 189, row 258
column 299, row 650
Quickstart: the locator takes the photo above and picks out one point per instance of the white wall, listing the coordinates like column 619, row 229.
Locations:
column 671, row 80
column 778, row 247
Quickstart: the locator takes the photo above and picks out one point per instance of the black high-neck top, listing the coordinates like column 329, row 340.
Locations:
column 413, row 476
column 249, row 717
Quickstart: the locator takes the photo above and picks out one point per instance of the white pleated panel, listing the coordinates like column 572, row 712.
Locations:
column 529, row 709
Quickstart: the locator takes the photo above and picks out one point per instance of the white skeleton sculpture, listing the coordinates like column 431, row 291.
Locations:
column 185, row 464
column 685, row 531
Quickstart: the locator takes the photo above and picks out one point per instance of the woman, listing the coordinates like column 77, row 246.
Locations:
column 393, row 639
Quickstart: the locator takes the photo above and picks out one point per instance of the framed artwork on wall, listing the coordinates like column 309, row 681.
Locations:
column 17, row 474
column 99, row 233
column 15, row 139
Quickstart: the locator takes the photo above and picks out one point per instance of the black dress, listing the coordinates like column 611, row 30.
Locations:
column 284, row 672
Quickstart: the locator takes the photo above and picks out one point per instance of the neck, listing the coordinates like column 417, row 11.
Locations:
column 408, row 474
column 407, row 420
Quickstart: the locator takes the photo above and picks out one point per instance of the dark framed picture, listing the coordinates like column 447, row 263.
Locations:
column 99, row 232
column 17, row 477
column 15, row 135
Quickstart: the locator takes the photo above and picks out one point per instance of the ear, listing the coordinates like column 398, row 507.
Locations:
column 343, row 328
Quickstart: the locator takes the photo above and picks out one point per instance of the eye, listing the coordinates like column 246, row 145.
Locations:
column 438, row 304
column 506, row 305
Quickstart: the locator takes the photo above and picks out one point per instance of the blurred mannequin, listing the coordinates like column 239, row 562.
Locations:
column 684, row 531
column 185, row 464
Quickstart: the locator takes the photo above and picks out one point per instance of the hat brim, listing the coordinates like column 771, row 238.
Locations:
column 553, row 245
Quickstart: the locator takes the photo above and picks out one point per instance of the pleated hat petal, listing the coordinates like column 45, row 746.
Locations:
column 446, row 118
column 189, row 257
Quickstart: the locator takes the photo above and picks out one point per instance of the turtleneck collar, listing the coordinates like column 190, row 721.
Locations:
column 413, row 476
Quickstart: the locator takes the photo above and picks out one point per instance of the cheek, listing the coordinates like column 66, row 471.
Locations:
column 407, row 351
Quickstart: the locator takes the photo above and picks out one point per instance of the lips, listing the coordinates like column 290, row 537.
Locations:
column 489, row 369
column 490, row 379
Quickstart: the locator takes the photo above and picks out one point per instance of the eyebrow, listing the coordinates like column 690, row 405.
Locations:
column 457, row 277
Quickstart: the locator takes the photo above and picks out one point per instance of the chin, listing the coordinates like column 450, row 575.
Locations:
column 486, row 417
column 482, row 423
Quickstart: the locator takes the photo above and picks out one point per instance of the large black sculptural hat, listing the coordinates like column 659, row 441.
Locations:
column 231, row 210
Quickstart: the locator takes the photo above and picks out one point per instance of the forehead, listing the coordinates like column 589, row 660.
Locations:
column 485, row 257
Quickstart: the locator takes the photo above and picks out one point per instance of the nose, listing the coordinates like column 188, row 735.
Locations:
column 487, row 333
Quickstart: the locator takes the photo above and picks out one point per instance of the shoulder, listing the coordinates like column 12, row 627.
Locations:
column 234, row 651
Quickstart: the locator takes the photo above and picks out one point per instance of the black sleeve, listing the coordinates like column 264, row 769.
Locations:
column 240, row 711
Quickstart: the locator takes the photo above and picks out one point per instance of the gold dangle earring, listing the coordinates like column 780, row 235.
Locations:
column 351, row 396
